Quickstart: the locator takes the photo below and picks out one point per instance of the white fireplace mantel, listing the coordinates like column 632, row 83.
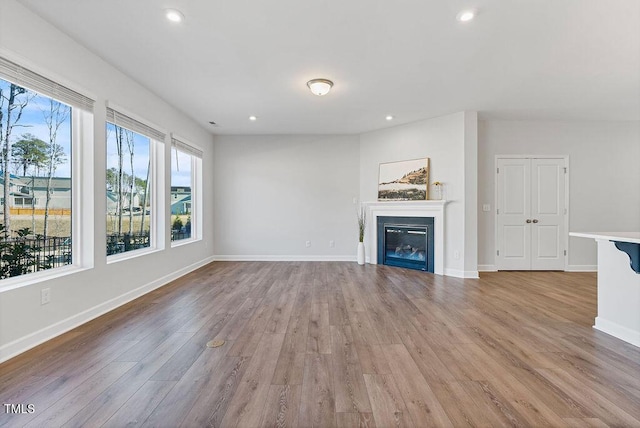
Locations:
column 433, row 209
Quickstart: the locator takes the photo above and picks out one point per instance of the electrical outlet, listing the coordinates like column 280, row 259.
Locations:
column 486, row 208
column 332, row 244
column 307, row 244
column 456, row 255
column 45, row 296
column 355, row 201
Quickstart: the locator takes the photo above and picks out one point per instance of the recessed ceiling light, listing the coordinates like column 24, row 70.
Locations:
column 389, row 117
column 466, row 15
column 174, row 15
column 253, row 118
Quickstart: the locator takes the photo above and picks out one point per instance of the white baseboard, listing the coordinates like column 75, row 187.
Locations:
column 34, row 339
column 582, row 268
column 570, row 268
column 616, row 330
column 272, row 258
column 461, row 273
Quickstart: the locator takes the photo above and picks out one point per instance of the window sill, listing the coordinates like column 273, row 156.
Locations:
column 131, row 255
column 38, row 277
column 182, row 242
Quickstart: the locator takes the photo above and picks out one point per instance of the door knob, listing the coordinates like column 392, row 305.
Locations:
column 535, row 220
column 528, row 220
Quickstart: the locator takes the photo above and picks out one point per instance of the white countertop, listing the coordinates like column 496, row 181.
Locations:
column 633, row 237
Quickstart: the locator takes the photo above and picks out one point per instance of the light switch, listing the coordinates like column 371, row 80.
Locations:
column 486, row 208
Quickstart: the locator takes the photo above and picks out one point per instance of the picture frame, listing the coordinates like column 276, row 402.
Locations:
column 404, row 180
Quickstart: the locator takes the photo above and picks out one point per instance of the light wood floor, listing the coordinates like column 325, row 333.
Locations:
column 336, row 344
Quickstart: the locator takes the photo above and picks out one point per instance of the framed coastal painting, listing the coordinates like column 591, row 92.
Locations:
column 404, row 180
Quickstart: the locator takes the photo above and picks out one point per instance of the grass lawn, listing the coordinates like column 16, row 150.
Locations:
column 58, row 225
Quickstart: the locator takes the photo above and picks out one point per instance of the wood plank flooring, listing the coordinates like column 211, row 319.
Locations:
column 336, row 345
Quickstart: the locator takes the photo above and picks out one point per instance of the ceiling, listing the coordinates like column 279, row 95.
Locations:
column 534, row 60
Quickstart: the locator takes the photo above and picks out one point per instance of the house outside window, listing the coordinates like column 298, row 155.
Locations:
column 25, row 202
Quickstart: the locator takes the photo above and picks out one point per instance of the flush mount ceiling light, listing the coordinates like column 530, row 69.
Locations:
column 320, row 87
column 174, row 15
column 253, row 118
column 466, row 15
column 389, row 117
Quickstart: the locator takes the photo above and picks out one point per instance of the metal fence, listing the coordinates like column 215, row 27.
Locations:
column 120, row 243
column 176, row 235
column 22, row 255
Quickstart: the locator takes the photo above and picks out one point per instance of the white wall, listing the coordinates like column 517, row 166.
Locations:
column 82, row 295
column 471, row 193
column 604, row 174
column 451, row 144
column 274, row 193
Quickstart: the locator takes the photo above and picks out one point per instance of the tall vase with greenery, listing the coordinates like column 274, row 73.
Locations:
column 362, row 225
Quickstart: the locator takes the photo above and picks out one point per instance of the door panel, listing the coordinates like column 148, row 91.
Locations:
column 547, row 213
column 548, row 242
column 546, row 189
column 514, row 235
column 515, row 242
column 515, row 189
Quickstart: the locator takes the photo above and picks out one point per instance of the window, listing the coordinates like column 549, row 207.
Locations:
column 130, row 181
column 25, row 201
column 36, row 144
column 185, row 183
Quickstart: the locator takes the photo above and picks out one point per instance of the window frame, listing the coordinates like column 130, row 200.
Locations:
column 82, row 142
column 184, row 146
column 157, row 144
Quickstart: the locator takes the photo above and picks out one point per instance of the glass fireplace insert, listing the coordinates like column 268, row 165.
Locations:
column 406, row 242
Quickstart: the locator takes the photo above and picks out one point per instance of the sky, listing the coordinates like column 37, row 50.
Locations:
column 33, row 122
column 180, row 168
column 140, row 153
column 180, row 162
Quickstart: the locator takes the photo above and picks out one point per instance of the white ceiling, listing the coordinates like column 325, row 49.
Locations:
column 519, row 59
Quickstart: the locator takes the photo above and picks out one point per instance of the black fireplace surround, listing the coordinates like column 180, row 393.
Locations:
column 406, row 242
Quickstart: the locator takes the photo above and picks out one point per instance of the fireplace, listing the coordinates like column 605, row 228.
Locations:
column 406, row 242
column 406, row 209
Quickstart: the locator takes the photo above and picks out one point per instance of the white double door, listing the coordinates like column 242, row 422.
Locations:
column 531, row 209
